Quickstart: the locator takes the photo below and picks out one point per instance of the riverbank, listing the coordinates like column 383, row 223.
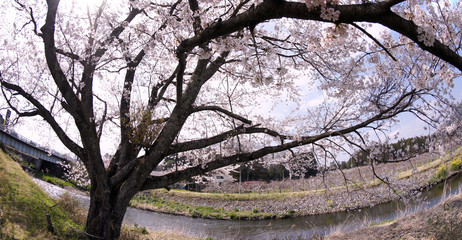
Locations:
column 334, row 192
column 28, row 212
column 441, row 222
column 305, row 227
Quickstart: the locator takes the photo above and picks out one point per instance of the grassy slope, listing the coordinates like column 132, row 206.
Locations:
column 441, row 222
column 153, row 200
column 154, row 203
column 23, row 206
column 284, row 195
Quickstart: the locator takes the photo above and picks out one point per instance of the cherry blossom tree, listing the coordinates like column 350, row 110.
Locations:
column 206, row 79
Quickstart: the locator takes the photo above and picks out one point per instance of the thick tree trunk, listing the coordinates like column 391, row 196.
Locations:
column 106, row 214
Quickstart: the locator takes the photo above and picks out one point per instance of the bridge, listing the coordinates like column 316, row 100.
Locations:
column 42, row 159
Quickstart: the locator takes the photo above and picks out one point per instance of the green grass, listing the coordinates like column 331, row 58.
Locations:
column 423, row 168
column 53, row 180
column 227, row 196
column 441, row 173
column 156, row 203
column 276, row 195
column 24, row 207
column 272, row 195
column 454, row 165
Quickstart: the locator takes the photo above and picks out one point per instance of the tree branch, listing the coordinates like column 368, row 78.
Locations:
column 374, row 39
column 116, row 33
column 70, row 55
column 57, row 73
column 179, row 75
column 103, row 118
column 156, row 97
column 43, row 112
column 162, row 181
column 201, row 143
column 32, row 18
column 224, row 111
column 376, row 12
column 197, row 24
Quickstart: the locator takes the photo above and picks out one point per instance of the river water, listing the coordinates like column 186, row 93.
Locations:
column 290, row 228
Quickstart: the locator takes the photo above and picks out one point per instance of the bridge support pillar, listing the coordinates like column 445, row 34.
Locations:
column 38, row 164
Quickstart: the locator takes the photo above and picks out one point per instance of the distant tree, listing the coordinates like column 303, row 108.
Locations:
column 160, row 78
column 359, row 158
column 301, row 165
column 277, row 172
column 256, row 171
column 390, row 152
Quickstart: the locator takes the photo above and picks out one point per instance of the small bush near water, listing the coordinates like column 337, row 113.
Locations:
column 456, row 164
column 441, row 173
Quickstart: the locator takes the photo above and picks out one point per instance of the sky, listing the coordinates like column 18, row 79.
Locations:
column 409, row 125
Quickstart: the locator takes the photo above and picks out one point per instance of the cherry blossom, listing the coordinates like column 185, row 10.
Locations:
column 221, row 83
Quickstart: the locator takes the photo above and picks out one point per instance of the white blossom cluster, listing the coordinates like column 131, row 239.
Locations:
column 294, row 78
column 76, row 173
column 327, row 13
column 426, row 36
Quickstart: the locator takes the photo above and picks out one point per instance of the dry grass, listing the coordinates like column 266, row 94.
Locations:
column 441, row 222
column 73, row 207
column 137, row 233
column 423, row 168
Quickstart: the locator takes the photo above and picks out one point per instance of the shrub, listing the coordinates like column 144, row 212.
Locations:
column 232, row 215
column 255, row 210
column 456, row 164
column 441, row 173
column 194, row 213
column 73, row 207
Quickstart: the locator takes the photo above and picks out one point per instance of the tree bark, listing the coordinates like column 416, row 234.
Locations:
column 106, row 213
column 113, row 188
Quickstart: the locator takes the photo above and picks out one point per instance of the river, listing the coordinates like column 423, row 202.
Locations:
column 290, row 228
